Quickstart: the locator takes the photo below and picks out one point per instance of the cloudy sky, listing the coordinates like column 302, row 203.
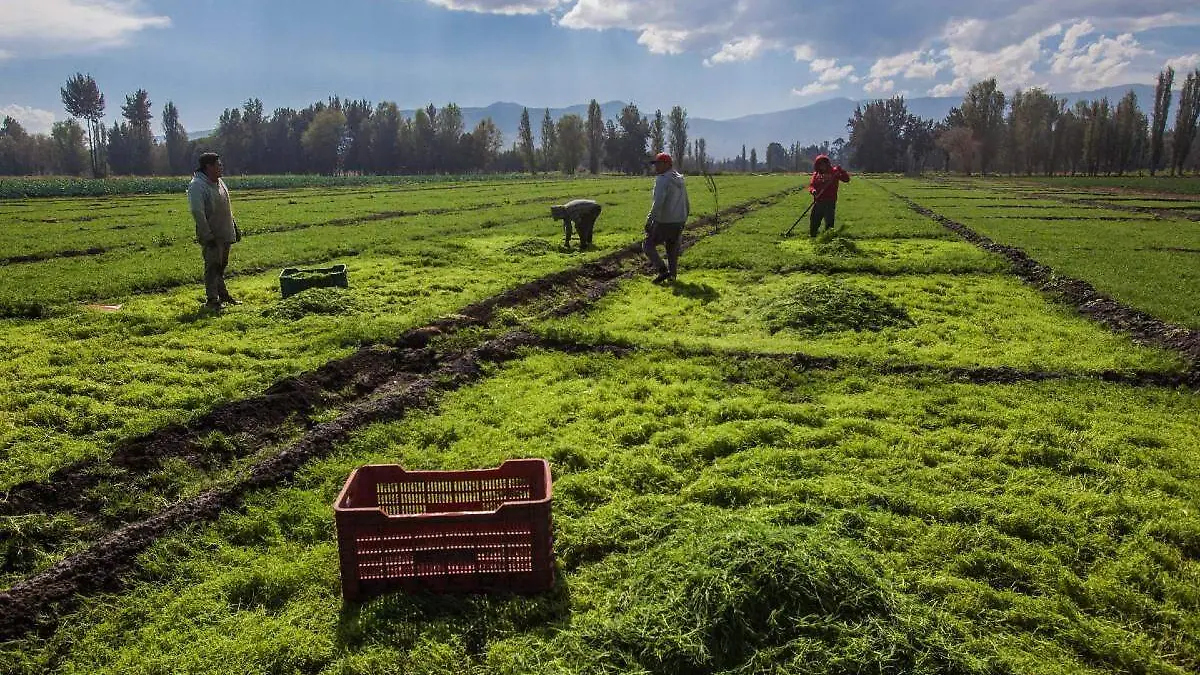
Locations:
column 718, row 58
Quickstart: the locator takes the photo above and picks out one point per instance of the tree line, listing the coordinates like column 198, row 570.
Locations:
column 1032, row 132
column 338, row 136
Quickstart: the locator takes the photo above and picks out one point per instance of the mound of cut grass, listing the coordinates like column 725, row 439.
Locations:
column 825, row 307
column 328, row 301
column 838, row 247
column 530, row 247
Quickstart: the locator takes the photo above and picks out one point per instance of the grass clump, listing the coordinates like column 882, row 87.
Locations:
column 327, row 301
column 530, row 247
column 816, row 307
column 837, row 247
column 835, row 244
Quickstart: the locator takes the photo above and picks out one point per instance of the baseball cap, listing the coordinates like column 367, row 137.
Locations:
column 660, row 157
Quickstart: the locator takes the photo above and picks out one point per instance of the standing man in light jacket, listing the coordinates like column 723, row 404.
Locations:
column 216, row 229
column 668, row 215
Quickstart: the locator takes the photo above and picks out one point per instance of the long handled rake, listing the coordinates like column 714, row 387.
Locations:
column 811, row 204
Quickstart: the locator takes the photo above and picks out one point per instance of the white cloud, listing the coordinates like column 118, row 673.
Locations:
column 742, row 49
column 1183, row 64
column 1102, row 63
column 1071, row 38
column 923, row 70
column 662, row 41
column 877, row 86
column 34, row 120
column 829, row 77
column 893, row 65
column 500, row 6
column 1101, row 40
column 915, row 65
column 1011, row 65
column 1145, row 23
column 41, row 27
column 814, row 88
column 804, row 52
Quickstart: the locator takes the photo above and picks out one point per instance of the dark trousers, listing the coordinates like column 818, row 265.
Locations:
column 821, row 211
column 670, row 235
column 216, row 259
column 584, row 225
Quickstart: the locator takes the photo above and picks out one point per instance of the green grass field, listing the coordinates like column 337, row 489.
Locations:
column 1162, row 183
column 1147, row 262
column 877, row 451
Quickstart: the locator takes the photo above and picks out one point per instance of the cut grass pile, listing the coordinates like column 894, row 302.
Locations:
column 327, row 301
column 530, row 247
column 815, row 307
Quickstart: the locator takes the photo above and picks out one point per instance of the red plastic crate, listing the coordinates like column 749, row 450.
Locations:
column 445, row 531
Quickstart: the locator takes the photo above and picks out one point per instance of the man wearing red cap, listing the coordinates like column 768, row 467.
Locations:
column 668, row 214
column 824, row 189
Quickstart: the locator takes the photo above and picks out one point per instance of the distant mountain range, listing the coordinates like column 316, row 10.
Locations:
column 814, row 123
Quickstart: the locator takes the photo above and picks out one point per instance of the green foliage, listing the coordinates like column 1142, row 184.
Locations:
column 835, row 243
column 327, row 301
column 1145, row 262
column 727, row 512
column 33, row 187
column 823, row 307
column 853, row 522
column 530, row 247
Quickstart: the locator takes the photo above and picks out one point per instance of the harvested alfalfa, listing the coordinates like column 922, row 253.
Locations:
column 815, row 307
column 530, row 247
column 328, row 301
column 834, row 243
column 837, row 247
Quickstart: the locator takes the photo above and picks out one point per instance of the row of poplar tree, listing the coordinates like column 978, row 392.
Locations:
column 337, row 136
column 1033, row 132
column 1030, row 132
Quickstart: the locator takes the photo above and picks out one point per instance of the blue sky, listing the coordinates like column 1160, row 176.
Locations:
column 718, row 58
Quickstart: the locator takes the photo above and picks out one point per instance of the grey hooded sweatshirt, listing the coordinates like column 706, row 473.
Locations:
column 670, row 199
column 209, row 203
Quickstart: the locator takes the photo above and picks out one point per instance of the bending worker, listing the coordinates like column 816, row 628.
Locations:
column 583, row 214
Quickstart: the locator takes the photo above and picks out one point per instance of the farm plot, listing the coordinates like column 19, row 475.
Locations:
column 93, row 403
column 1149, row 263
column 800, row 458
column 88, row 378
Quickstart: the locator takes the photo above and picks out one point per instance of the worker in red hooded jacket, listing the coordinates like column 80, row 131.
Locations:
column 824, row 189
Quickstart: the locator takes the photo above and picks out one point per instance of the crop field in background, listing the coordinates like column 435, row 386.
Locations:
column 876, row 451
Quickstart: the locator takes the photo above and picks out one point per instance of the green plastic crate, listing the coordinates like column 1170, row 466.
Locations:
column 292, row 280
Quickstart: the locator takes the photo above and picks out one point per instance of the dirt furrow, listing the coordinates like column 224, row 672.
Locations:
column 1167, row 214
column 1090, row 302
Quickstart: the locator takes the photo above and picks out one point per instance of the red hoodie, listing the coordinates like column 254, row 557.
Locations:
column 824, row 186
